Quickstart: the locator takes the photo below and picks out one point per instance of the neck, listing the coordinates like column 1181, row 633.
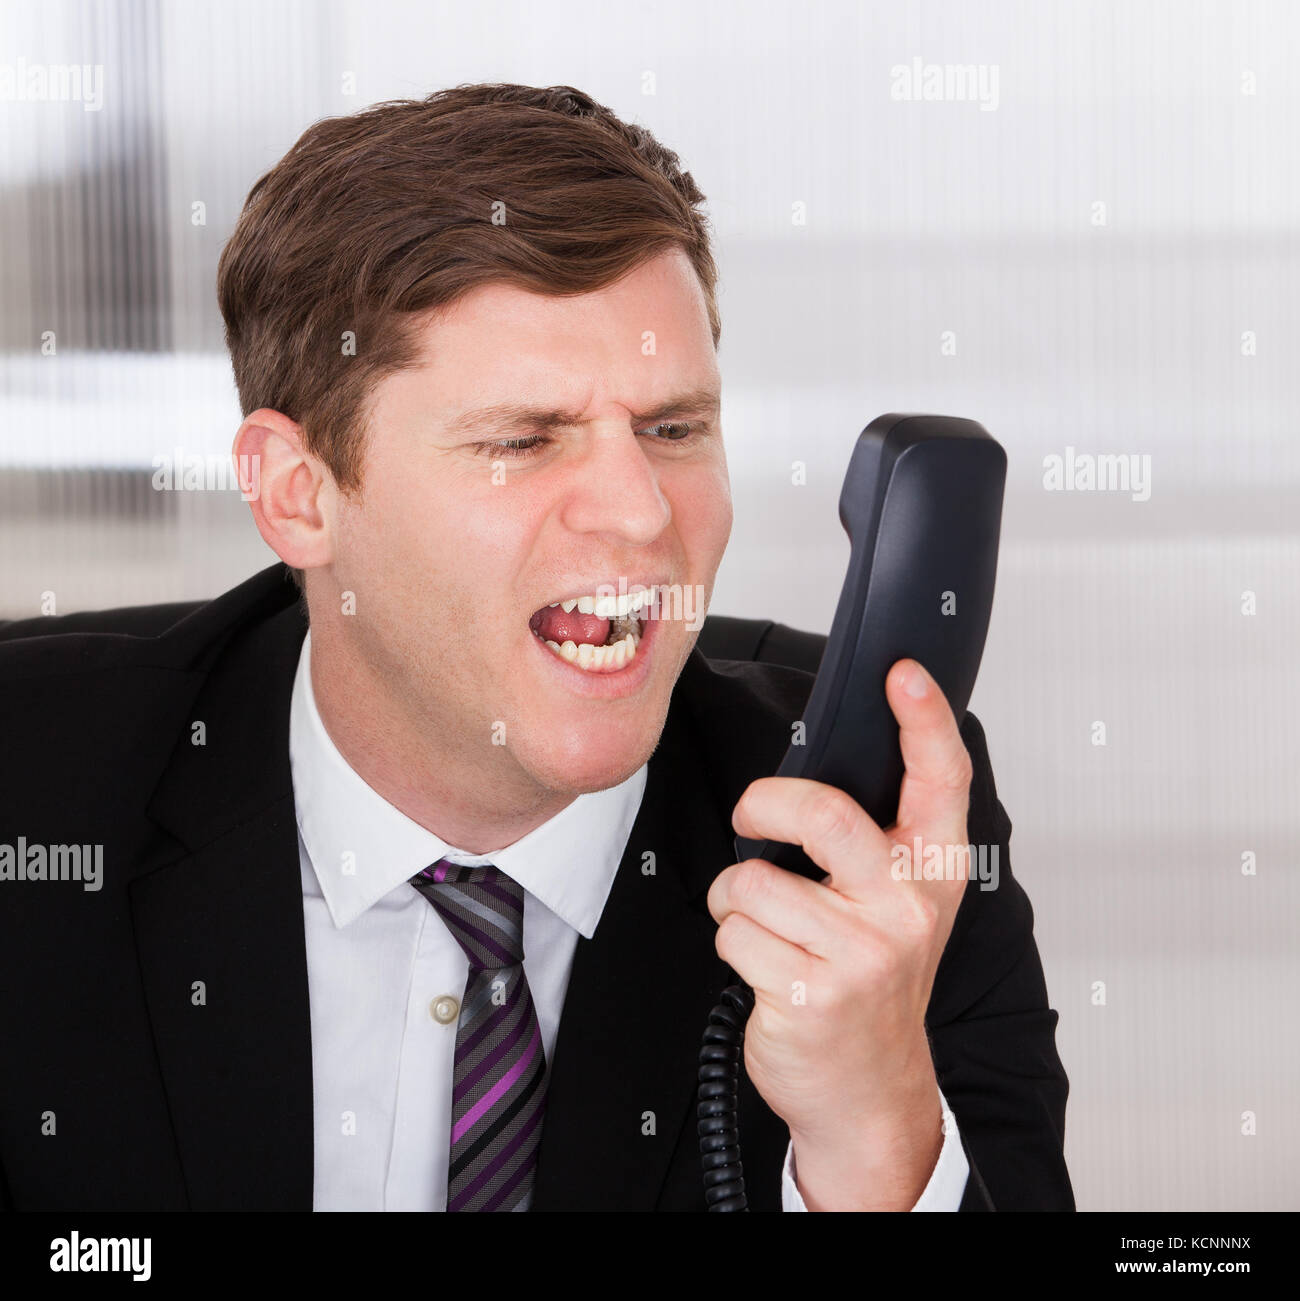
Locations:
column 474, row 802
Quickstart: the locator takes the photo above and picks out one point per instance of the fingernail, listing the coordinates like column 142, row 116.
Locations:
column 917, row 684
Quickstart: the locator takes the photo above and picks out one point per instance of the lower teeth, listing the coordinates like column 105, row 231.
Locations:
column 624, row 636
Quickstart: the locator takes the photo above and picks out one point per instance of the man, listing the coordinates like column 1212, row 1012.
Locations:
column 421, row 899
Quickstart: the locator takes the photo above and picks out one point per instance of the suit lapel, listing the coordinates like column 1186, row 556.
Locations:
column 222, row 957
column 220, row 939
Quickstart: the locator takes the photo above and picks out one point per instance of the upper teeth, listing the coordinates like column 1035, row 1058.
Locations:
column 609, row 607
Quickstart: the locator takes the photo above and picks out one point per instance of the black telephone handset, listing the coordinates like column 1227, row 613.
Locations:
column 922, row 504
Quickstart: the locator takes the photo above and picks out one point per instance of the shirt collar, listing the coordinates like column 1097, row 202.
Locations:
column 362, row 847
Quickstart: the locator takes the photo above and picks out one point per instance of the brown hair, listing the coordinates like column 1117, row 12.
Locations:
column 376, row 217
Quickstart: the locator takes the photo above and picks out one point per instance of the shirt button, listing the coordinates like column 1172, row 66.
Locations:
column 444, row 1009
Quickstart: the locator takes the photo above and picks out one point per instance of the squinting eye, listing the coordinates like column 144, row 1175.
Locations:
column 686, row 431
column 513, row 446
column 523, row 446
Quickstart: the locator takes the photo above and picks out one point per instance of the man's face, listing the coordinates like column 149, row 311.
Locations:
column 457, row 546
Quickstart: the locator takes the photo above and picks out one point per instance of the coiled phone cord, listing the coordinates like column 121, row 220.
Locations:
column 724, row 1038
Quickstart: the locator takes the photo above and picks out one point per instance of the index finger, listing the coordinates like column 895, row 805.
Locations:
column 830, row 827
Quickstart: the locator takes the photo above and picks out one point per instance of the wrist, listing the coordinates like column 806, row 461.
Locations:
column 880, row 1163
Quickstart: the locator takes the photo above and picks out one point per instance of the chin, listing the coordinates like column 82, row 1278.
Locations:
column 585, row 768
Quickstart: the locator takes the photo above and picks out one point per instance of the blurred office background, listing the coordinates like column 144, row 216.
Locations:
column 1101, row 254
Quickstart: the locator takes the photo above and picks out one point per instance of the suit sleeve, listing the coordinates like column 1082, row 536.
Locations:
column 991, row 1030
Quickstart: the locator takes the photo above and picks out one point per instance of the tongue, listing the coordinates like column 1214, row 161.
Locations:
column 552, row 624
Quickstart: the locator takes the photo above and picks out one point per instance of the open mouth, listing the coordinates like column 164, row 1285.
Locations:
column 598, row 634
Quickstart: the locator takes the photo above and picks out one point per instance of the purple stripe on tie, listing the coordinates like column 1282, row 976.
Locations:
column 484, row 1104
column 525, row 1169
column 504, row 895
column 507, row 1045
column 488, row 1022
column 502, row 1157
column 440, row 873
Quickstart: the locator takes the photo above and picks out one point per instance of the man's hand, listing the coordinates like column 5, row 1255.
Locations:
column 842, row 969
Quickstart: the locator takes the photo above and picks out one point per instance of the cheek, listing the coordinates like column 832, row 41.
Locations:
column 394, row 547
column 439, row 535
column 495, row 538
column 382, row 538
column 702, row 505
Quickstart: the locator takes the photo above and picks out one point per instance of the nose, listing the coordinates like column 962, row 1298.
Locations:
column 616, row 491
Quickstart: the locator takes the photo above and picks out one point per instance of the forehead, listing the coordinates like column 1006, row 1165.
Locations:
column 633, row 342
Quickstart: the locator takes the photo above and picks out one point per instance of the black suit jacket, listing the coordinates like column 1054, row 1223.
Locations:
column 157, row 1102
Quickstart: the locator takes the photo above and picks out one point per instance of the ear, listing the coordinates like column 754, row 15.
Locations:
column 290, row 492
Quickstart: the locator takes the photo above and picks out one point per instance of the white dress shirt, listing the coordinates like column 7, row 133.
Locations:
column 385, row 975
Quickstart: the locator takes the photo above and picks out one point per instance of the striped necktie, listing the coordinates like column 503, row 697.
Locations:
column 499, row 1088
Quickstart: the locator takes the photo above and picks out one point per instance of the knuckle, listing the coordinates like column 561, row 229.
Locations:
column 873, row 965
column 751, row 883
column 726, row 939
column 923, row 917
column 958, row 775
column 832, row 815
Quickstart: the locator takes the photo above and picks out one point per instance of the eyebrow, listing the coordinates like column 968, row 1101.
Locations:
column 502, row 416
